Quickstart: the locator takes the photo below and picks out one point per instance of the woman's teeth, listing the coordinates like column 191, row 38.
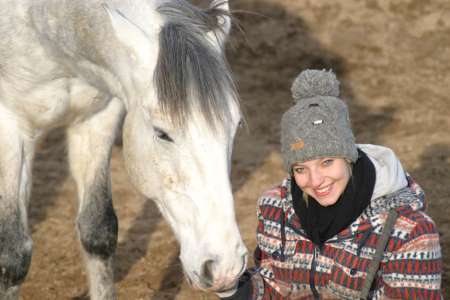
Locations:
column 323, row 191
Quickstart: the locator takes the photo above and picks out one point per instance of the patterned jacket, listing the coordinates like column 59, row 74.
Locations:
column 290, row 266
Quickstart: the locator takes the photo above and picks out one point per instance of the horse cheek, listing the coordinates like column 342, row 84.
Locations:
column 138, row 149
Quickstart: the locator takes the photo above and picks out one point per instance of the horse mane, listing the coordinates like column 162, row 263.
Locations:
column 191, row 75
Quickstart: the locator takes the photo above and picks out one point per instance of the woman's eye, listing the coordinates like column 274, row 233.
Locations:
column 161, row 134
column 299, row 170
column 328, row 162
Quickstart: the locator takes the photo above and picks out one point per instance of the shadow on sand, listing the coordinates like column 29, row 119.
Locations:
column 50, row 170
column 432, row 175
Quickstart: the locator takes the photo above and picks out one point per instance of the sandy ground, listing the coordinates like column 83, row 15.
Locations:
column 393, row 58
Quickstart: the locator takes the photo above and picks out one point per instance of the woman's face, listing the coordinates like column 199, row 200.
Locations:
column 323, row 179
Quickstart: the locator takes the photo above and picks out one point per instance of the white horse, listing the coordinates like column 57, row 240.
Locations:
column 88, row 64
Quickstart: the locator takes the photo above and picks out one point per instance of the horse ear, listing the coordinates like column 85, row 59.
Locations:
column 223, row 20
column 128, row 32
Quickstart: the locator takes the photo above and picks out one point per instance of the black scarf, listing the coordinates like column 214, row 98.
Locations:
column 321, row 223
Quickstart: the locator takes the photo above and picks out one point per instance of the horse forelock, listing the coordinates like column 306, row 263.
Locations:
column 191, row 74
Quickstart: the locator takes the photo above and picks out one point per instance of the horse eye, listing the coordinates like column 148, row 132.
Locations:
column 161, row 134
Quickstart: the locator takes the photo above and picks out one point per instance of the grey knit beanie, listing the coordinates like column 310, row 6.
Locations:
column 318, row 125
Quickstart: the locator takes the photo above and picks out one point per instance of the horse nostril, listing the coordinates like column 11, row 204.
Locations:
column 207, row 272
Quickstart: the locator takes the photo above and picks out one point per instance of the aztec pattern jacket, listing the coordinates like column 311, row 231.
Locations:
column 290, row 266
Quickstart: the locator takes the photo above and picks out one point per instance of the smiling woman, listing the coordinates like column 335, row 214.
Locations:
column 347, row 222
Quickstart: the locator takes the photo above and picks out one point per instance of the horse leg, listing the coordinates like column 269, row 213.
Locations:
column 90, row 144
column 16, row 156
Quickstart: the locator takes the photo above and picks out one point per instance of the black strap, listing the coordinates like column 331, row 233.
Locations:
column 381, row 246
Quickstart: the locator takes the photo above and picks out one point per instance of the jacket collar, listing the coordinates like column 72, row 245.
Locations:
column 390, row 176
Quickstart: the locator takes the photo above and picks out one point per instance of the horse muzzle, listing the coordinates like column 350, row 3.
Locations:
column 216, row 275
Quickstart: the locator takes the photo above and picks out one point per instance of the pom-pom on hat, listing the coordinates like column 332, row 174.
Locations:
column 318, row 125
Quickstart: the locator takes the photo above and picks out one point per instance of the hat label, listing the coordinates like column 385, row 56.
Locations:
column 298, row 145
column 317, row 122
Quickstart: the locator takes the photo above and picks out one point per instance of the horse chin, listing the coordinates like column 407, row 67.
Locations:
column 220, row 285
column 223, row 288
column 207, row 287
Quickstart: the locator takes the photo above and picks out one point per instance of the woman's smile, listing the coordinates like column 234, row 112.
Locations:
column 323, row 192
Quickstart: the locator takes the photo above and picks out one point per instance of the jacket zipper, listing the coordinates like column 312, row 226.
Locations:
column 312, row 273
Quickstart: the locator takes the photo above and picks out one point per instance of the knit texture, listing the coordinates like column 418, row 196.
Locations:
column 318, row 125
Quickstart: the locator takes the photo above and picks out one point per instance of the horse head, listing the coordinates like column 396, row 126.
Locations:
column 183, row 113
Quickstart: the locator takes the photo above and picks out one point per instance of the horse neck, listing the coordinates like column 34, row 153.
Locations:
column 79, row 33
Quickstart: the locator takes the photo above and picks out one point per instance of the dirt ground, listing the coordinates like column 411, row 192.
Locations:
column 393, row 59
